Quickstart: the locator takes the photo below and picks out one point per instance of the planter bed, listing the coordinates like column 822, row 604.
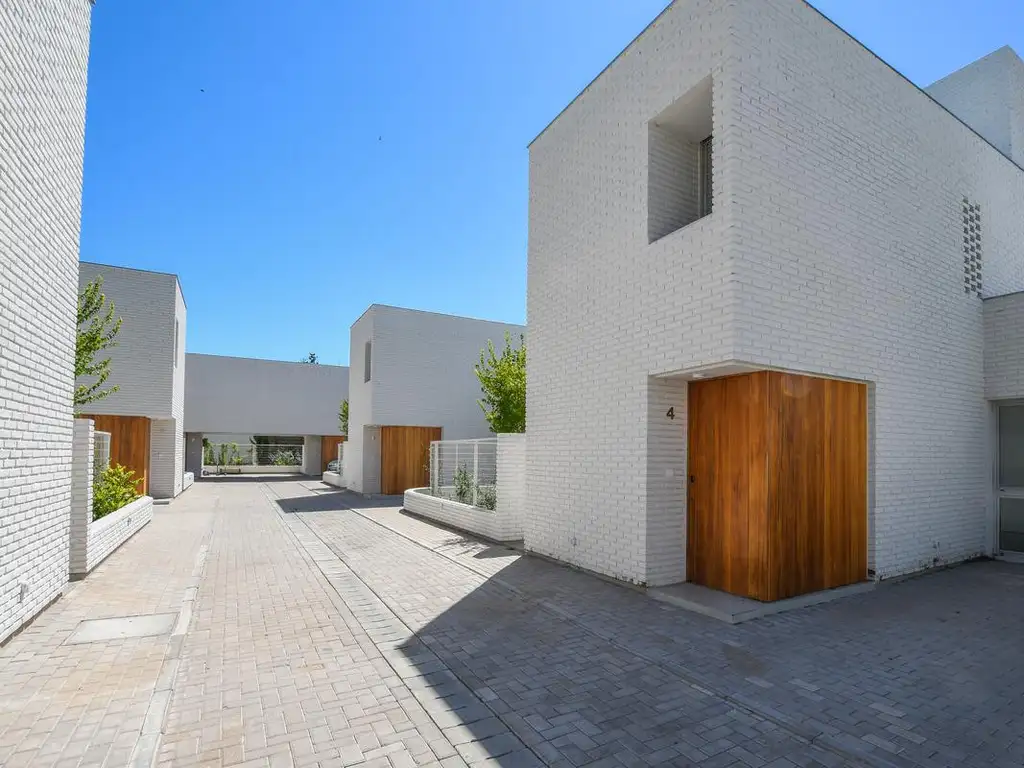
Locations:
column 493, row 525
column 108, row 533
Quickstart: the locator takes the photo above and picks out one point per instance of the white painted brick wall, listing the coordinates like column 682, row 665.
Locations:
column 108, row 533
column 511, row 483
column 360, row 407
column 142, row 363
column 1004, row 347
column 988, row 95
column 605, row 308
column 835, row 247
column 421, row 375
column 165, row 471
column 81, row 493
column 45, row 46
column 483, row 522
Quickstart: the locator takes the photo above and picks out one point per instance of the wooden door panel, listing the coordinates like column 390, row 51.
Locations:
column 846, row 502
column 726, row 542
column 329, row 449
column 405, row 457
column 129, row 443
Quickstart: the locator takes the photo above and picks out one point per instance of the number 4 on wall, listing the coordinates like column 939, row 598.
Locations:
column 671, row 412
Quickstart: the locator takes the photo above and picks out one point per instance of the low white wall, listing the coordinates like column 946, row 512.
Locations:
column 247, row 469
column 483, row 522
column 108, row 533
column 91, row 541
column 186, row 480
column 511, row 479
column 334, row 478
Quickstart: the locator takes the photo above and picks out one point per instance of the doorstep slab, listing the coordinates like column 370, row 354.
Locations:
column 734, row 609
column 121, row 627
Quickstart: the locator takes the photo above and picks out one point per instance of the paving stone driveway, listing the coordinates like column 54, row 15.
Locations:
column 924, row 672
column 327, row 630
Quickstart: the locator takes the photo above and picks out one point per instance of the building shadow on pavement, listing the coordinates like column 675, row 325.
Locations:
column 523, row 661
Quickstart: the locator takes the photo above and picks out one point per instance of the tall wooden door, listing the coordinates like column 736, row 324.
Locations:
column 405, row 457
column 777, row 501
column 129, row 444
column 818, row 469
column 727, row 485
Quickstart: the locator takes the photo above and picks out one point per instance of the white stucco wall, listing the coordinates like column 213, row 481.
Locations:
column 45, row 46
column 360, row 408
column 835, row 247
column 142, row 363
column 421, row 375
column 262, row 397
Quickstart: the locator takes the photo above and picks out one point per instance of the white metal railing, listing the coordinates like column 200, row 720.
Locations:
column 465, row 471
column 243, row 455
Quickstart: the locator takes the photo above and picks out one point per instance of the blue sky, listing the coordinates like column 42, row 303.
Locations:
column 295, row 162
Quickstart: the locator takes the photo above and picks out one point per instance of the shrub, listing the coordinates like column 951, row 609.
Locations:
column 463, row 482
column 117, row 486
column 486, row 497
column 284, row 459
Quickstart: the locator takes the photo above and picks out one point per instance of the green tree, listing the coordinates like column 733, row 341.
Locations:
column 503, row 382
column 343, row 417
column 311, row 358
column 97, row 330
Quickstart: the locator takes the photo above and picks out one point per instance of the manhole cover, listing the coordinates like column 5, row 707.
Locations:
column 96, row 630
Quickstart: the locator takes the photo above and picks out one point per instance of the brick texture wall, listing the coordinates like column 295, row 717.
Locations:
column 45, row 46
column 142, row 363
column 835, row 247
column 81, row 493
column 988, row 95
column 1004, row 347
column 421, row 375
column 510, row 471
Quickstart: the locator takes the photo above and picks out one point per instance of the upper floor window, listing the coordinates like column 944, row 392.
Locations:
column 175, row 343
column 366, row 362
column 704, row 176
column 679, row 174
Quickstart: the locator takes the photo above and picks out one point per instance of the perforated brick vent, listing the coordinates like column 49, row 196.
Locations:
column 972, row 247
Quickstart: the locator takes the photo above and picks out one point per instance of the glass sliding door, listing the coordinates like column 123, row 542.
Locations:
column 1011, row 478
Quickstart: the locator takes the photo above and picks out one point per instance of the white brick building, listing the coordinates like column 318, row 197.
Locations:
column 242, row 397
column 840, row 223
column 45, row 46
column 148, row 366
column 413, row 369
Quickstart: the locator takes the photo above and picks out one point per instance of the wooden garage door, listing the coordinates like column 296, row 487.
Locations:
column 129, row 443
column 329, row 449
column 405, row 457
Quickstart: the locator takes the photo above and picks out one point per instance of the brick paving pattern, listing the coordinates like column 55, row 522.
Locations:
column 329, row 630
column 85, row 705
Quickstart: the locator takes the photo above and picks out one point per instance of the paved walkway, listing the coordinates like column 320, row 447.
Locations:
column 325, row 630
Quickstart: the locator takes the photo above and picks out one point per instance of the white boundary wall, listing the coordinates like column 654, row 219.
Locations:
column 505, row 523
column 92, row 541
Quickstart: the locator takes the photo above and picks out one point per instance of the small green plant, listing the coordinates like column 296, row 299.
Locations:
column 116, row 487
column 284, row 459
column 463, row 485
column 225, row 455
column 486, row 497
